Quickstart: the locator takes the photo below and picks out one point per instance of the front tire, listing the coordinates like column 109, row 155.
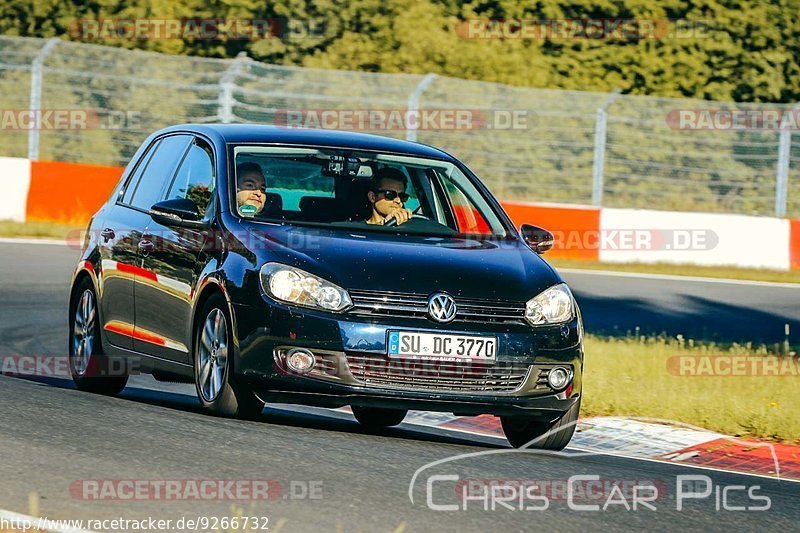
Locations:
column 522, row 430
column 377, row 417
column 214, row 381
column 91, row 370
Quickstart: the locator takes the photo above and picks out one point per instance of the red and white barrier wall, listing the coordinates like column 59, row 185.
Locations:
column 70, row 193
column 16, row 176
column 698, row 238
column 647, row 236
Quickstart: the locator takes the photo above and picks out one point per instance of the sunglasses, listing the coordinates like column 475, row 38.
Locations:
column 391, row 195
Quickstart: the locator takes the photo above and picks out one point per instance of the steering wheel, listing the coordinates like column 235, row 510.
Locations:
column 393, row 222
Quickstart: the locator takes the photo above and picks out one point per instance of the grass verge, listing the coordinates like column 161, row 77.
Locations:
column 685, row 270
column 41, row 230
column 644, row 377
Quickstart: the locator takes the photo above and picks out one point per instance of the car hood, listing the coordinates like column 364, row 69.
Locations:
column 470, row 268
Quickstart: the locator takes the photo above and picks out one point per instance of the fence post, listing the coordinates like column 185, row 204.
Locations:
column 598, row 162
column 413, row 104
column 35, row 102
column 782, row 174
column 227, row 84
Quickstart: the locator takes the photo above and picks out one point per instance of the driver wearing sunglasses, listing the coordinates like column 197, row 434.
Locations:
column 387, row 195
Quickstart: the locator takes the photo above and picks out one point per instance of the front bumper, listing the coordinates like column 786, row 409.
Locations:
column 266, row 332
column 542, row 408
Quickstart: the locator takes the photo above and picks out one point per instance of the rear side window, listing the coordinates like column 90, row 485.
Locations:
column 157, row 173
column 195, row 177
column 137, row 174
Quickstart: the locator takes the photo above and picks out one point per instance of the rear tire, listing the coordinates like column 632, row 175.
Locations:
column 378, row 417
column 91, row 370
column 217, row 389
column 522, row 430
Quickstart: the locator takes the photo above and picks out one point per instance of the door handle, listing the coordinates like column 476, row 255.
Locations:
column 145, row 246
column 107, row 234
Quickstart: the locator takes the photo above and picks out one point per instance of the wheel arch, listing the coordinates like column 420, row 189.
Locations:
column 206, row 289
column 83, row 271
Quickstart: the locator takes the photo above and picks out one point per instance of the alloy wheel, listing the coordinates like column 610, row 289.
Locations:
column 83, row 332
column 213, row 355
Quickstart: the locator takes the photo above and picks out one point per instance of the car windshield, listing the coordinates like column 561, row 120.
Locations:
column 356, row 189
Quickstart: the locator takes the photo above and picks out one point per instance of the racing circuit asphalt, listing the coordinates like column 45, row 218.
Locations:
column 54, row 436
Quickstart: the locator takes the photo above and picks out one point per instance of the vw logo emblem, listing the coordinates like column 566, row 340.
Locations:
column 442, row 307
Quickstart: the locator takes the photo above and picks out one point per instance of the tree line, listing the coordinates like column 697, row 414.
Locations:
column 728, row 50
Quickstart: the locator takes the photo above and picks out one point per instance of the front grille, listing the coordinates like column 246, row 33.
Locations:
column 326, row 365
column 380, row 371
column 410, row 305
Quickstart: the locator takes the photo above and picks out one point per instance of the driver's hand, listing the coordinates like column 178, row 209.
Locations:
column 400, row 215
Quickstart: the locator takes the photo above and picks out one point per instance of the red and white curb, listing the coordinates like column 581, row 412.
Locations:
column 648, row 439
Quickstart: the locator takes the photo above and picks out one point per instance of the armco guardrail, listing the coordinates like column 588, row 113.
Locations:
column 72, row 193
column 527, row 144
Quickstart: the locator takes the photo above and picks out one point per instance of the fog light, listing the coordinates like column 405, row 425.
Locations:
column 300, row 361
column 558, row 378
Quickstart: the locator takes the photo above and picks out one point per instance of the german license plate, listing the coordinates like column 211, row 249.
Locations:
column 416, row 345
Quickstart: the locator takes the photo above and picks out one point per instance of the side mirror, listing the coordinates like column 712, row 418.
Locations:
column 180, row 212
column 540, row 240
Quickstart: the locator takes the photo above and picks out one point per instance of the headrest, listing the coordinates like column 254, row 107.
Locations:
column 320, row 208
column 274, row 203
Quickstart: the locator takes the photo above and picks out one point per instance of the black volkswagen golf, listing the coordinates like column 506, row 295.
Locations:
column 324, row 268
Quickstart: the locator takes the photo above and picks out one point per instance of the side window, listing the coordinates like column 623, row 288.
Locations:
column 137, row 174
column 468, row 218
column 195, row 177
column 159, row 171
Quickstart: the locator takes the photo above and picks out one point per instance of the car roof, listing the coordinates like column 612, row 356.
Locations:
column 258, row 133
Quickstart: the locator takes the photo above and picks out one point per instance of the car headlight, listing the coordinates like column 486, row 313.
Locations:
column 552, row 306
column 295, row 286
